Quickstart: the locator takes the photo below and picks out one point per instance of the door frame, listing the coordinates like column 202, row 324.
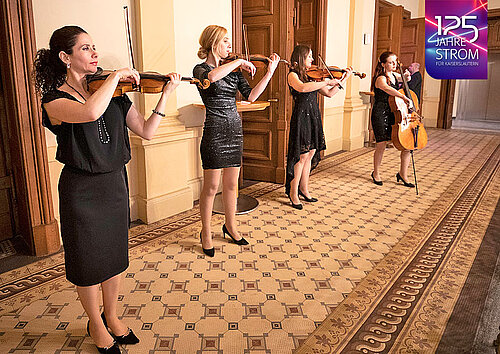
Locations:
column 237, row 21
column 27, row 143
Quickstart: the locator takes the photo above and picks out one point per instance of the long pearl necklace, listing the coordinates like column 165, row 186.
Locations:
column 104, row 137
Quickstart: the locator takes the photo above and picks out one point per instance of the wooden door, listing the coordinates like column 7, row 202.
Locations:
column 390, row 23
column 413, row 46
column 309, row 28
column 305, row 21
column 446, row 97
column 7, row 203
column 265, row 131
column 413, row 42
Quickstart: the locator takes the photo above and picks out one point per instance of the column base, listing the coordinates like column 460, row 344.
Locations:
column 155, row 209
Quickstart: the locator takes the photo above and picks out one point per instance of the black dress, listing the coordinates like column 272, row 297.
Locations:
column 306, row 132
column 222, row 141
column 382, row 117
column 93, row 192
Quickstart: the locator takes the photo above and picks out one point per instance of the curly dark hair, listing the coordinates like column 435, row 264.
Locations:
column 49, row 71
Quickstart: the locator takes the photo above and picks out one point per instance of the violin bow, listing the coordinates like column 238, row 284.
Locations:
column 129, row 42
column 245, row 42
column 129, row 38
column 414, row 110
column 329, row 72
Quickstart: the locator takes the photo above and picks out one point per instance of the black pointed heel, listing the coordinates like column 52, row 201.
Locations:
column 406, row 184
column 310, row 200
column 111, row 349
column 240, row 242
column 378, row 183
column 208, row 251
column 127, row 338
column 296, row 206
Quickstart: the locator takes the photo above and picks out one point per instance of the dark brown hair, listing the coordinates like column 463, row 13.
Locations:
column 49, row 70
column 297, row 61
column 379, row 69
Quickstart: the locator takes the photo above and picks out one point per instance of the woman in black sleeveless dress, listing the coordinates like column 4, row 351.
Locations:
column 306, row 138
column 385, row 83
column 222, row 142
column 93, row 145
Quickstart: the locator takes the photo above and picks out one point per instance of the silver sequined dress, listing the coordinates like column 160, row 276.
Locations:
column 222, row 141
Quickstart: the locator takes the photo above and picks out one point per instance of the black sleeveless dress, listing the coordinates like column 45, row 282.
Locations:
column 306, row 132
column 93, row 192
column 222, row 141
column 382, row 117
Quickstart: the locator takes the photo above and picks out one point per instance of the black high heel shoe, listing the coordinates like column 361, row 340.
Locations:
column 310, row 200
column 111, row 349
column 240, row 242
column 208, row 251
column 296, row 206
column 378, row 183
column 406, row 184
column 127, row 338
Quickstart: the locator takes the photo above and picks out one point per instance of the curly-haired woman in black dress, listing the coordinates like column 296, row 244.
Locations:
column 306, row 138
column 222, row 142
column 385, row 83
column 93, row 145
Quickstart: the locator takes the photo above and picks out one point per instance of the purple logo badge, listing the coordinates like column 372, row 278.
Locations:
column 456, row 39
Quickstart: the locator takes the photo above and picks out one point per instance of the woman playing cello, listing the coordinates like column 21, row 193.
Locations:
column 385, row 83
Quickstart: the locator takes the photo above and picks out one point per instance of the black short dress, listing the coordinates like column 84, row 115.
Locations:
column 222, row 141
column 382, row 117
column 93, row 192
column 306, row 132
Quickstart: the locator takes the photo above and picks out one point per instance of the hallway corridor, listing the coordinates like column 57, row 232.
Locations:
column 370, row 249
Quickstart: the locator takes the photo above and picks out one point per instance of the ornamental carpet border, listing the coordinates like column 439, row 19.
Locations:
column 404, row 303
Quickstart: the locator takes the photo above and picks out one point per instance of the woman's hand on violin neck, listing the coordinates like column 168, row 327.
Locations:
column 274, row 60
column 248, row 66
column 128, row 74
column 175, row 80
column 348, row 72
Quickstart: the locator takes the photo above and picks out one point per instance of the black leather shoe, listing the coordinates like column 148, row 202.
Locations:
column 378, row 183
column 310, row 200
column 406, row 184
column 208, row 251
column 111, row 349
column 296, row 206
column 127, row 338
column 240, row 242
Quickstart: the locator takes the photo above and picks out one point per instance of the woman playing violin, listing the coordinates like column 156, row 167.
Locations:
column 385, row 83
column 222, row 142
column 306, row 138
column 93, row 145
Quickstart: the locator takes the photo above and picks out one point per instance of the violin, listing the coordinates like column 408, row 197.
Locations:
column 408, row 132
column 331, row 72
column 151, row 82
column 256, row 59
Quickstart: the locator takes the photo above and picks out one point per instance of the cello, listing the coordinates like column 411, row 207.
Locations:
column 408, row 132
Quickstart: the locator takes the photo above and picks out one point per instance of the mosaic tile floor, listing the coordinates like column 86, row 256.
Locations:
column 266, row 297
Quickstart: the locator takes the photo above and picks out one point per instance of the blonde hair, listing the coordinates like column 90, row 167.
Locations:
column 209, row 38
